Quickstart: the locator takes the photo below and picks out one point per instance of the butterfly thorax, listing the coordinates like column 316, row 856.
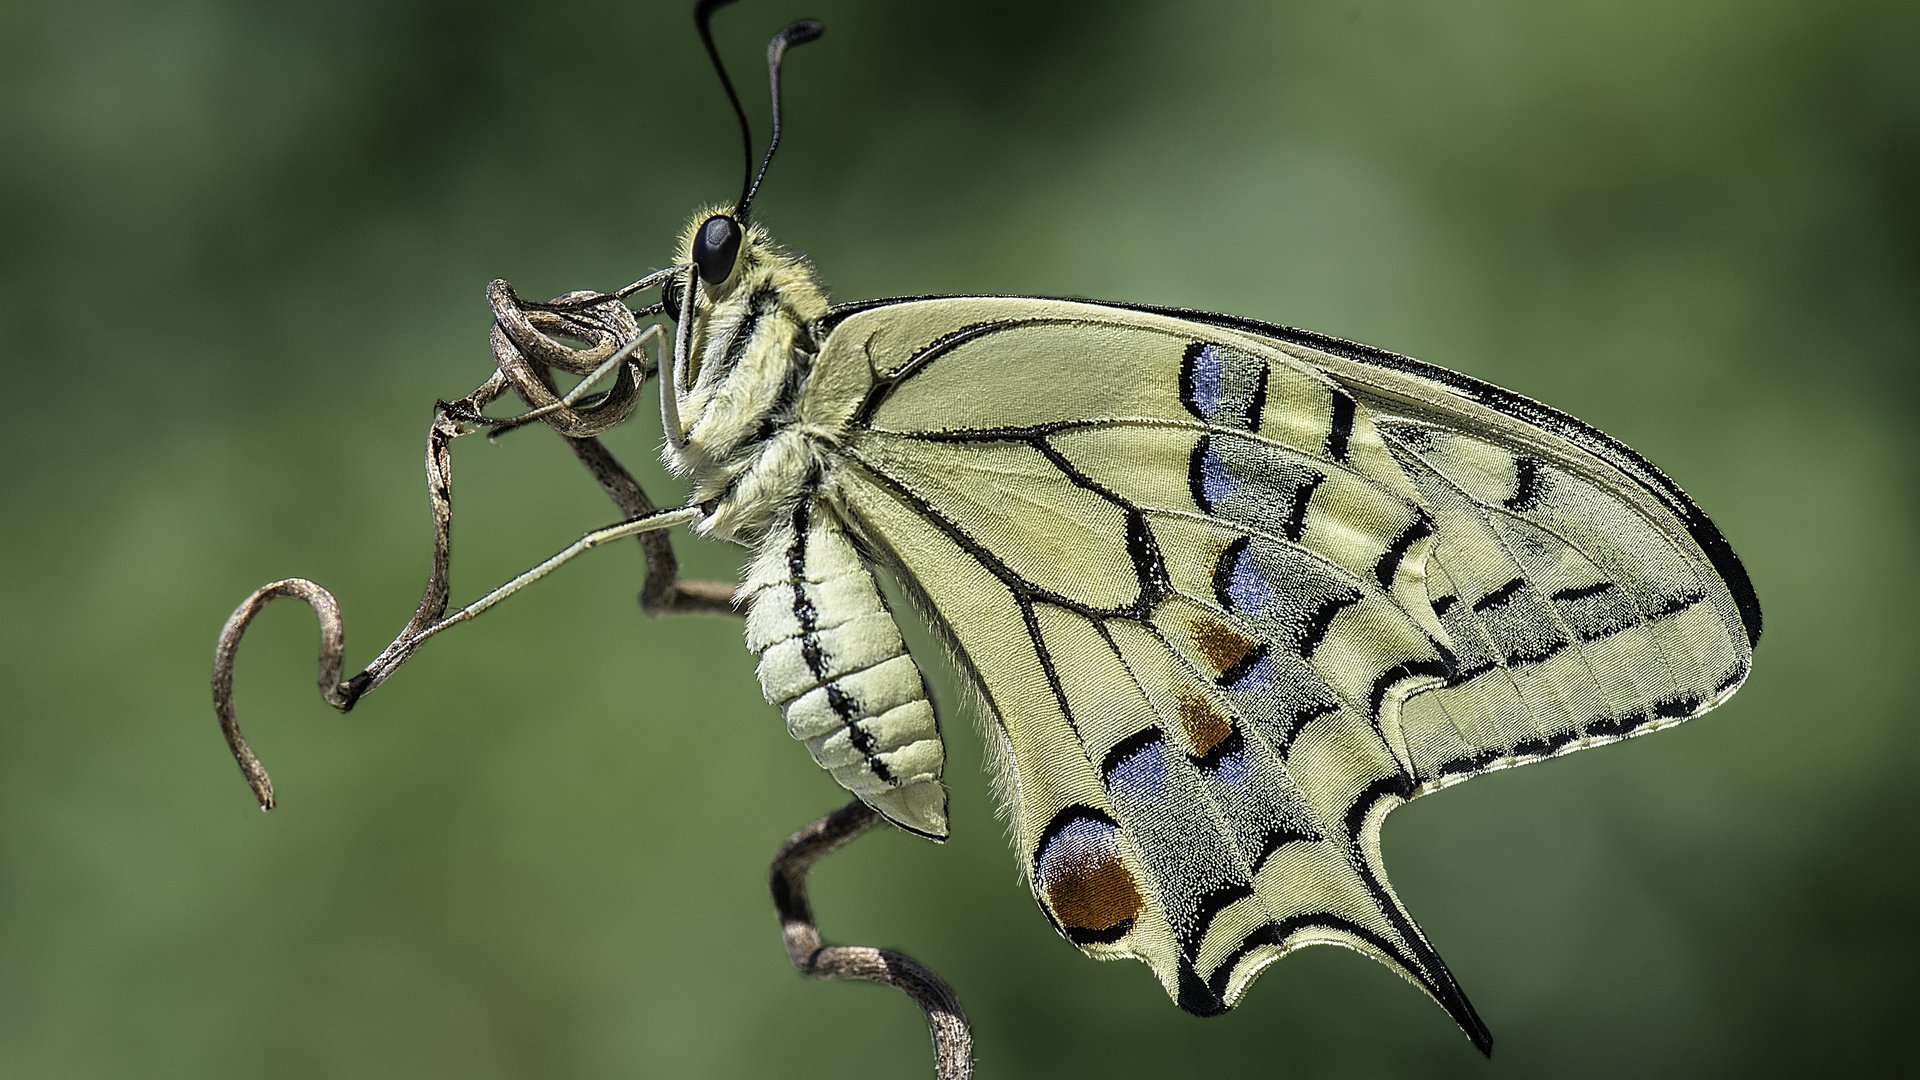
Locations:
column 758, row 423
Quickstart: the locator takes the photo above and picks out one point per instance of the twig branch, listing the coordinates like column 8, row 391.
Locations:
column 946, row 1020
column 525, row 353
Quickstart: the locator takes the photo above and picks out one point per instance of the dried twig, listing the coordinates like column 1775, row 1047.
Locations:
column 946, row 1020
column 526, row 351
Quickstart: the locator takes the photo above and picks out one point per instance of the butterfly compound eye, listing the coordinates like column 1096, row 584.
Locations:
column 716, row 247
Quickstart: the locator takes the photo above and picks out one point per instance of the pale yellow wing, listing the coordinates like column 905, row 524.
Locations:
column 1196, row 571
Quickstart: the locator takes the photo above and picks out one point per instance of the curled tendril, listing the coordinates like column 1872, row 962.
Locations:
column 526, row 350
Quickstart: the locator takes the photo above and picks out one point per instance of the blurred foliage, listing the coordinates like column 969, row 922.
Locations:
column 244, row 246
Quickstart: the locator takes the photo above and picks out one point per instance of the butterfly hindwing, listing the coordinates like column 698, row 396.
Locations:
column 1153, row 802
column 1197, row 574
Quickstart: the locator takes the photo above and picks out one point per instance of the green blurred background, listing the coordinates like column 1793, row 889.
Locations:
column 243, row 248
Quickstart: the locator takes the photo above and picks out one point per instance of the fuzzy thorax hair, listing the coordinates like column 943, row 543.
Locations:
column 754, row 426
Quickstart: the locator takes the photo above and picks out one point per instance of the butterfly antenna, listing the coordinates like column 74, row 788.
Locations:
column 703, row 18
column 798, row 34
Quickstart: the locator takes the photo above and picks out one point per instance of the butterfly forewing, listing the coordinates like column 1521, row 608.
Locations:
column 1586, row 597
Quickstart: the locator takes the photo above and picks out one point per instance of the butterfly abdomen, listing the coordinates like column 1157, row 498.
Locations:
column 832, row 659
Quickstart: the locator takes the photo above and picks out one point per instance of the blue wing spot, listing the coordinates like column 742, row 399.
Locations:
column 1138, row 765
column 1246, row 587
column 1232, row 769
column 1253, row 673
column 1202, row 380
column 1237, row 581
column 1207, row 476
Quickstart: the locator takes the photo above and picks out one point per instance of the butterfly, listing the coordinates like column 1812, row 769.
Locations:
column 1226, row 593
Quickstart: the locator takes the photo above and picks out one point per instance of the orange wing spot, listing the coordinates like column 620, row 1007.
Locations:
column 1097, row 895
column 1222, row 645
column 1204, row 725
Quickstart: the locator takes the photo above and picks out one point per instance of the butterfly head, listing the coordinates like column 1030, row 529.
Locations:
column 733, row 261
column 744, row 288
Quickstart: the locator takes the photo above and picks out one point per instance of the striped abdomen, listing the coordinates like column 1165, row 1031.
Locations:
column 832, row 659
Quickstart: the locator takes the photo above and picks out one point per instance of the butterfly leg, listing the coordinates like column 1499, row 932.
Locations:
column 946, row 1020
column 663, row 593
